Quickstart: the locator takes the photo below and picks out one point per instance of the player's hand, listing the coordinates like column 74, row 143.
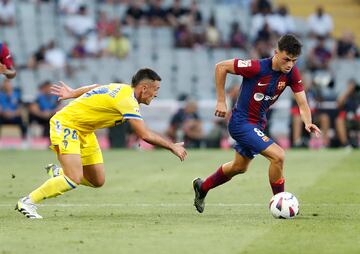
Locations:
column 313, row 128
column 63, row 91
column 220, row 109
column 179, row 150
column 2, row 68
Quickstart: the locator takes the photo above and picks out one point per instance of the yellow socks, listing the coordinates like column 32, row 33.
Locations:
column 84, row 181
column 53, row 187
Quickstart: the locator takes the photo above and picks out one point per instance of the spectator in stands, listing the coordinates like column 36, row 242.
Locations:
column 238, row 39
column 259, row 6
column 264, row 43
column 299, row 138
column 183, row 35
column 186, row 124
column 81, row 23
column 70, row 6
column 119, row 45
column 43, row 108
column 320, row 56
column 175, row 12
column 320, row 23
column 6, row 62
column 10, row 107
column 326, row 108
column 195, row 14
column 282, row 22
column 96, row 44
column 7, row 13
column 346, row 47
column 79, row 49
column 349, row 117
column 38, row 58
column 105, row 25
column 55, row 57
column 156, row 15
column 135, row 14
column 259, row 19
column 212, row 33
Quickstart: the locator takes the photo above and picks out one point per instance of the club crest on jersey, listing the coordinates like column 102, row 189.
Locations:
column 281, row 85
column 65, row 143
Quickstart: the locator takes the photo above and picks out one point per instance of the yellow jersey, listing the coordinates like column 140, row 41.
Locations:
column 101, row 107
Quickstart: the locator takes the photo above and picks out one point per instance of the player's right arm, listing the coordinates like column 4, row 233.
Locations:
column 245, row 68
column 151, row 137
column 221, row 70
column 66, row 92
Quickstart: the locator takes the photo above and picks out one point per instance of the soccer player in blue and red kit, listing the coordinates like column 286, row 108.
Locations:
column 263, row 82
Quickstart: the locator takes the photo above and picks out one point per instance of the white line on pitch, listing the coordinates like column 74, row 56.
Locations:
column 175, row 205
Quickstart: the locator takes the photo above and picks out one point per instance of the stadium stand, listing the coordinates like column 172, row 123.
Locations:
column 184, row 70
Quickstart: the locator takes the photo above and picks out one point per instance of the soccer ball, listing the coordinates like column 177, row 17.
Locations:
column 284, row 205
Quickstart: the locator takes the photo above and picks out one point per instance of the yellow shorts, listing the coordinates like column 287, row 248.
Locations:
column 67, row 140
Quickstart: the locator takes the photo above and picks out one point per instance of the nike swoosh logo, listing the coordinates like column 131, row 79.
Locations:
column 260, row 84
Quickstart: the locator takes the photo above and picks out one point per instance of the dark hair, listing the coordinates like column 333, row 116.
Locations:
column 142, row 74
column 290, row 44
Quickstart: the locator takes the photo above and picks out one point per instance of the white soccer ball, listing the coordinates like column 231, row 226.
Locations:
column 284, row 205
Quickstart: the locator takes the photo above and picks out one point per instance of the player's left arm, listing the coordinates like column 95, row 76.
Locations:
column 305, row 113
column 66, row 92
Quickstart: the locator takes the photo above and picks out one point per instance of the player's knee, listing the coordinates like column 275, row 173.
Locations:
column 279, row 157
column 99, row 182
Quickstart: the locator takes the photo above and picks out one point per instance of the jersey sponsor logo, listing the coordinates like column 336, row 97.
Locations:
column 281, row 85
column 261, row 96
column 244, row 63
column 262, row 84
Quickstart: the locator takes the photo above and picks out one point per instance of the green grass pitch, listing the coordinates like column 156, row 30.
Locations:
column 145, row 206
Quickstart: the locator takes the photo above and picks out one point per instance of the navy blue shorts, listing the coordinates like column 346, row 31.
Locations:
column 250, row 139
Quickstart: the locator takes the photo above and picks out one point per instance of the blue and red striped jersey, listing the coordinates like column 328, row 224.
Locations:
column 260, row 88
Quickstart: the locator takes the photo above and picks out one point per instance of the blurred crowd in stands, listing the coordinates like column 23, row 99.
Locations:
column 338, row 114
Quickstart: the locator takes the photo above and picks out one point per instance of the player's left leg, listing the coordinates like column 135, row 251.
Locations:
column 276, row 155
column 93, row 163
column 222, row 175
column 91, row 159
column 93, row 175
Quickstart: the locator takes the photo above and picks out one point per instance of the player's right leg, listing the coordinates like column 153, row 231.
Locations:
column 71, row 163
column 66, row 144
column 223, row 174
column 276, row 155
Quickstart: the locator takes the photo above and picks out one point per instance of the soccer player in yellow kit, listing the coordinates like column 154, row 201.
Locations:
column 73, row 139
